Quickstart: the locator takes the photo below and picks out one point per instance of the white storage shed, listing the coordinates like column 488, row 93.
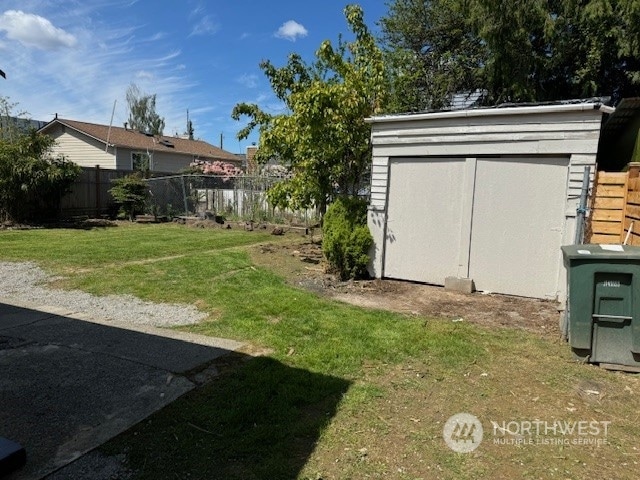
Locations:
column 485, row 194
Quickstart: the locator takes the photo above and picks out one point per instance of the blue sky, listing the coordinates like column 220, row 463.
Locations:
column 76, row 58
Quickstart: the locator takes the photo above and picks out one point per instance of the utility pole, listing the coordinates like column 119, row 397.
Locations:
column 106, row 147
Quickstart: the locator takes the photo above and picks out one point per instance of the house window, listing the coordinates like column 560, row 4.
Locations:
column 140, row 161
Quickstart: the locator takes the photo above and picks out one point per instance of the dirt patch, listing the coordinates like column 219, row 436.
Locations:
column 302, row 264
column 426, row 300
column 80, row 223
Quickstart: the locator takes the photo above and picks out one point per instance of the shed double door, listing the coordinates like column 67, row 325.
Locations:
column 499, row 221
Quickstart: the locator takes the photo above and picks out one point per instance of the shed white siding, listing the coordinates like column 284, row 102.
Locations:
column 81, row 149
column 423, row 183
column 518, row 220
column 519, row 170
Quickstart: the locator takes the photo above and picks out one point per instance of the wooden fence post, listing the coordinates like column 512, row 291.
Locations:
column 98, row 191
column 634, row 169
column 632, row 206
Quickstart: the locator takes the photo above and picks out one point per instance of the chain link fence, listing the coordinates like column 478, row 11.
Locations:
column 242, row 198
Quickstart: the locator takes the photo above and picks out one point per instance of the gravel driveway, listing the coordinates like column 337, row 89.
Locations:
column 27, row 283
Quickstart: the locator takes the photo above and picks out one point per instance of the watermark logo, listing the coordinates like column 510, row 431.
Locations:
column 555, row 432
column 463, row 432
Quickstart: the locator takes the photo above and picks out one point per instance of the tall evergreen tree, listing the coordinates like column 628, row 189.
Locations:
column 517, row 51
column 432, row 52
column 142, row 111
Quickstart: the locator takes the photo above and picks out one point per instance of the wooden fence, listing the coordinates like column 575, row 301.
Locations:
column 90, row 193
column 171, row 194
column 615, row 208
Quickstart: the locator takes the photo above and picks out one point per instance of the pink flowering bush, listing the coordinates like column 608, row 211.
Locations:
column 222, row 169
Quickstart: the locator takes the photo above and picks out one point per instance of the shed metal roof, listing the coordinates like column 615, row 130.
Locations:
column 500, row 110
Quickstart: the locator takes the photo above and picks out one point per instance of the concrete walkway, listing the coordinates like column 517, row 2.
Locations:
column 67, row 384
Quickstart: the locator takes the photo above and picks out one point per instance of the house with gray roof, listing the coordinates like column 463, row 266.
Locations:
column 118, row 148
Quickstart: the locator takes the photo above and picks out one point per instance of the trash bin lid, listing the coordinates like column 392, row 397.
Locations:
column 601, row 251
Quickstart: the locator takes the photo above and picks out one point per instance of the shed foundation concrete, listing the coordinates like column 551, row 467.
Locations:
column 463, row 285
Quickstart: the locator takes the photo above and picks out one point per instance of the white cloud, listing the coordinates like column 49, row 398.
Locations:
column 34, row 31
column 155, row 37
column 206, row 26
column 143, row 74
column 82, row 83
column 164, row 60
column 291, row 30
column 197, row 11
column 248, row 80
column 199, row 110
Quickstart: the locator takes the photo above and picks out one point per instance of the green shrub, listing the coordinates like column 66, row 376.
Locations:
column 131, row 193
column 346, row 237
column 32, row 183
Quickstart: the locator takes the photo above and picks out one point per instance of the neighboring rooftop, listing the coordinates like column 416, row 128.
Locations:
column 133, row 139
column 466, row 100
column 22, row 124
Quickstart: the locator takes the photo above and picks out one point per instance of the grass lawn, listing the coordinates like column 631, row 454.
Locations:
column 345, row 392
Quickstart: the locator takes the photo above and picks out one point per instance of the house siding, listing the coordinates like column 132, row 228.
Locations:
column 84, row 144
column 81, row 149
column 170, row 162
column 161, row 161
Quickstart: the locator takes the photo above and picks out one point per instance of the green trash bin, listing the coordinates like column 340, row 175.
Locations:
column 602, row 319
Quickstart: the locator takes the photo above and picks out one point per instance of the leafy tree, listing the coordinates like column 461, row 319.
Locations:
column 523, row 50
column 142, row 111
column 32, row 182
column 323, row 138
column 10, row 128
